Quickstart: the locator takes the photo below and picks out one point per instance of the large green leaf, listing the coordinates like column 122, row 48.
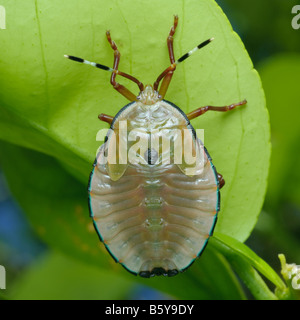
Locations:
column 51, row 104
column 55, row 204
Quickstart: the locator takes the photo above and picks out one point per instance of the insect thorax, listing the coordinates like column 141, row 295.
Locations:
column 157, row 115
column 156, row 136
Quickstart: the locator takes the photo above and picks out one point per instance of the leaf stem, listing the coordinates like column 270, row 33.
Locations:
column 252, row 280
column 245, row 261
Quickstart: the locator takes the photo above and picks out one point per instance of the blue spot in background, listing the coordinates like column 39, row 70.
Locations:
column 18, row 244
column 141, row 292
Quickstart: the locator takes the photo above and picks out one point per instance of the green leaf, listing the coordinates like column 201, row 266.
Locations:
column 55, row 204
column 50, row 104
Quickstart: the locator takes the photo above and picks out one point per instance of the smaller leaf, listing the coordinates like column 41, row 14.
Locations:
column 237, row 251
column 252, row 279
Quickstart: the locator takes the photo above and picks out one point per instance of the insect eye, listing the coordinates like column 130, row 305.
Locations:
column 151, row 156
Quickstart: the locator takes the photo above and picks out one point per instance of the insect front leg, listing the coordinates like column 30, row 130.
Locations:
column 167, row 78
column 198, row 112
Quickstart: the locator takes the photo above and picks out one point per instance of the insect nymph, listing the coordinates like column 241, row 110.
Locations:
column 154, row 217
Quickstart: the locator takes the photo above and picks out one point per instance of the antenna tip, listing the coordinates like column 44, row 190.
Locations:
column 66, row 56
column 211, row 39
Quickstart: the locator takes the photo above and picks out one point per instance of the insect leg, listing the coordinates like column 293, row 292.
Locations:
column 167, row 78
column 198, row 112
column 106, row 118
column 221, row 181
column 170, row 39
column 129, row 95
column 124, row 91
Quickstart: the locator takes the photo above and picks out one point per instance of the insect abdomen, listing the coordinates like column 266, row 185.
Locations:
column 154, row 221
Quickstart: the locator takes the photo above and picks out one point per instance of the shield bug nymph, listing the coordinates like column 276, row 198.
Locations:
column 154, row 216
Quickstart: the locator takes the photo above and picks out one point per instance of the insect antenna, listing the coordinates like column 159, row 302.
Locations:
column 105, row 68
column 172, row 67
column 188, row 54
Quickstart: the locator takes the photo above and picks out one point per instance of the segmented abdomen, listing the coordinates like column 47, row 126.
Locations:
column 155, row 219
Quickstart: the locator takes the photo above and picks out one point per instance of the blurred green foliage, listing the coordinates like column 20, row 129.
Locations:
column 274, row 46
column 264, row 26
column 279, row 224
column 54, row 198
column 68, row 279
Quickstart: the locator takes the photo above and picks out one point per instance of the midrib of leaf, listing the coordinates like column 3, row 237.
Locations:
column 43, row 60
column 129, row 35
column 183, row 67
